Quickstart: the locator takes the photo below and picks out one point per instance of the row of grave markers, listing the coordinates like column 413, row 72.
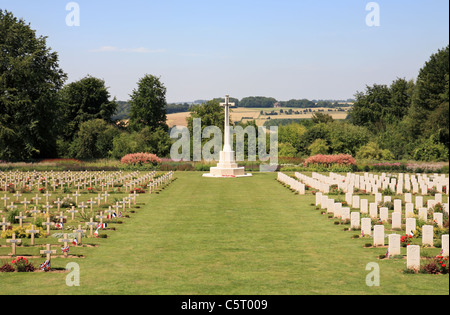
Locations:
column 164, row 179
column 323, row 184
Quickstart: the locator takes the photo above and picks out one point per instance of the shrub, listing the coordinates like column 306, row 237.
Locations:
column 140, row 159
column 328, row 160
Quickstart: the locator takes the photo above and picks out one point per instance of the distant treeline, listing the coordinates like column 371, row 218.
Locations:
column 248, row 102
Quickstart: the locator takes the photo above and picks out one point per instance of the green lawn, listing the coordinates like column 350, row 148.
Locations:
column 227, row 236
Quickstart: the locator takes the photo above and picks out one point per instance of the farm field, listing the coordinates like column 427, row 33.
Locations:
column 246, row 114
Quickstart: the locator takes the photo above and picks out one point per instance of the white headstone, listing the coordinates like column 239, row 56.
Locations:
column 427, row 235
column 378, row 235
column 355, row 220
column 364, row 206
column 438, row 218
column 397, row 205
column 445, row 245
column 413, row 257
column 396, row 220
column 394, row 245
column 419, row 202
column 373, row 210
column 366, row 226
column 410, row 225
column 345, row 213
column 384, row 214
column 423, row 214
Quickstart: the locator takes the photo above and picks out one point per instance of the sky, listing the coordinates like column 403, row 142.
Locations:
column 202, row 49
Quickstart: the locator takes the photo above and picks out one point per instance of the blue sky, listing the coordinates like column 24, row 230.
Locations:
column 315, row 49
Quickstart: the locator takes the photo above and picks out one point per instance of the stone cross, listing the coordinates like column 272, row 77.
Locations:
column 59, row 203
column 61, row 217
column 72, row 212
column 91, row 225
column 48, row 252
column 36, row 199
column 25, row 202
column 5, row 199
column 21, row 218
column 76, row 195
column 4, row 224
column 80, row 232
column 14, row 243
column 32, row 232
column 101, row 217
column 46, row 196
column 48, row 224
column 65, row 240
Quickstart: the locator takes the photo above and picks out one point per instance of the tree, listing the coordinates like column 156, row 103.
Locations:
column 148, row 104
column 30, row 78
column 428, row 115
column 319, row 146
column 85, row 100
column 94, row 140
column 381, row 105
column 321, row 118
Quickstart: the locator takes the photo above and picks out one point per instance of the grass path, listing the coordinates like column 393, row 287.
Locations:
column 234, row 236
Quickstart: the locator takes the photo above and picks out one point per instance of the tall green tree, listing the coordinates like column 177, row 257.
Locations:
column 148, row 104
column 82, row 101
column 429, row 115
column 30, row 78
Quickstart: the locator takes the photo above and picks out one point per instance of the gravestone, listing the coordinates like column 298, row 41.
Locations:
column 364, row 206
column 427, row 235
column 445, row 244
column 378, row 235
column 366, row 226
column 384, row 214
column 423, row 214
column 397, row 205
column 373, row 210
column 413, row 257
column 394, row 245
column 13, row 241
column 32, row 232
column 411, row 226
column 355, row 221
column 396, row 220
column 438, row 218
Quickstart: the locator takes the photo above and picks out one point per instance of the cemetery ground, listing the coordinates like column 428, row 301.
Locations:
column 220, row 236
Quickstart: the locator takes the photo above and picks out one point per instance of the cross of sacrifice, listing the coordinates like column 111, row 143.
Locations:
column 32, row 232
column 14, row 243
